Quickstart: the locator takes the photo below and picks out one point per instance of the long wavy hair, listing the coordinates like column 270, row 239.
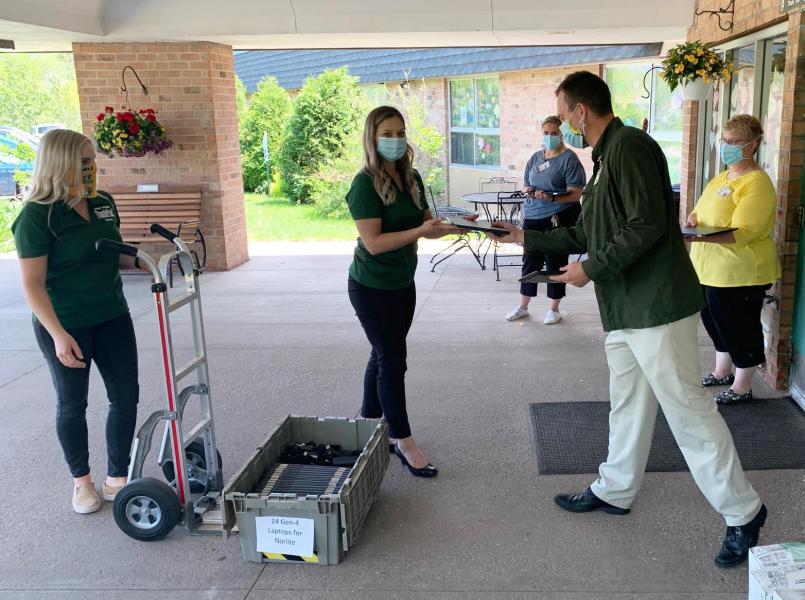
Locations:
column 57, row 171
column 373, row 162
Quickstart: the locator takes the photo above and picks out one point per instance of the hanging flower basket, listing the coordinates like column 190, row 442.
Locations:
column 698, row 90
column 130, row 133
column 694, row 63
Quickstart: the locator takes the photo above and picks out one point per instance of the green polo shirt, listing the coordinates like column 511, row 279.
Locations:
column 392, row 270
column 630, row 229
column 84, row 284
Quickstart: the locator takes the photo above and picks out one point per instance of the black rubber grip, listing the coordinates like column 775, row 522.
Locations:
column 113, row 246
column 163, row 231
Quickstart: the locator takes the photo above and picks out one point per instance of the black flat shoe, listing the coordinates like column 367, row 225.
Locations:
column 711, row 380
column 427, row 471
column 586, row 501
column 738, row 540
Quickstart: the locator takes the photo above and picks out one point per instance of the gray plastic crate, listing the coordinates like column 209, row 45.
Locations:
column 338, row 517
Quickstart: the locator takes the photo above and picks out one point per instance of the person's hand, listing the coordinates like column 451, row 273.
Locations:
column 515, row 235
column 692, row 220
column 471, row 217
column 573, row 274
column 529, row 191
column 68, row 352
column 436, row 228
column 540, row 195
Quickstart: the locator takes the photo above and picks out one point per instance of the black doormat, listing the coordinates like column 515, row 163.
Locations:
column 572, row 437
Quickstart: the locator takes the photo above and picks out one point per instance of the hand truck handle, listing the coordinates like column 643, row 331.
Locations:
column 113, row 246
column 158, row 229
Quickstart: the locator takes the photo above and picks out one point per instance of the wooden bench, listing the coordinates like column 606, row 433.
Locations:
column 177, row 209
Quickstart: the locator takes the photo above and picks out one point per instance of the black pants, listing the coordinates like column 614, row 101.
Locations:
column 534, row 261
column 112, row 347
column 386, row 317
column 731, row 316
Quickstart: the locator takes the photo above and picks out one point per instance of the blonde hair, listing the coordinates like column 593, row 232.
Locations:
column 747, row 126
column 373, row 163
column 57, row 171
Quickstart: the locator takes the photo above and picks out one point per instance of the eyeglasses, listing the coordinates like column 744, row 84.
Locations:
column 734, row 142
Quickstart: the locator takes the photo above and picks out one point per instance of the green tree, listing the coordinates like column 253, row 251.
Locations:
column 38, row 88
column 326, row 113
column 268, row 110
column 241, row 102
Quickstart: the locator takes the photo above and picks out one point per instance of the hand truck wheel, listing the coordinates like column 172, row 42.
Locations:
column 146, row 509
column 196, row 467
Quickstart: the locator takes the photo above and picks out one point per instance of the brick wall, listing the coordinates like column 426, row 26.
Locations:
column 750, row 15
column 526, row 98
column 191, row 86
column 753, row 16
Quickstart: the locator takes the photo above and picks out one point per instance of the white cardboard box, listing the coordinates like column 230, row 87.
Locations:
column 763, row 584
column 788, row 595
column 776, row 555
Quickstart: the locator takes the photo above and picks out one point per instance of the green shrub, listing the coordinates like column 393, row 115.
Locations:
column 268, row 110
column 9, row 209
column 326, row 113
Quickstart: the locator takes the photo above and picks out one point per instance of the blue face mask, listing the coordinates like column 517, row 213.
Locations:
column 572, row 136
column 551, row 142
column 392, row 149
column 731, row 153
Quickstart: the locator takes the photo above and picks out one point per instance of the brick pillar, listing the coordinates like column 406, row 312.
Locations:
column 690, row 134
column 192, row 88
column 789, row 198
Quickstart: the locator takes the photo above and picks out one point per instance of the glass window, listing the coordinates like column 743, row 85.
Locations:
column 662, row 109
column 771, row 105
column 475, row 122
column 742, row 82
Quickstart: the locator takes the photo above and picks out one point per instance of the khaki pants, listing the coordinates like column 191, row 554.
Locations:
column 661, row 365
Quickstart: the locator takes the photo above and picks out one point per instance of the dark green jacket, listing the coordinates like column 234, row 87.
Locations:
column 629, row 228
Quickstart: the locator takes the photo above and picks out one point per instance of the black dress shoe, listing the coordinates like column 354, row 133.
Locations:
column 738, row 540
column 427, row 471
column 586, row 501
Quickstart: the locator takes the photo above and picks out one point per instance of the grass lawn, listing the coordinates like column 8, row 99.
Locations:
column 270, row 219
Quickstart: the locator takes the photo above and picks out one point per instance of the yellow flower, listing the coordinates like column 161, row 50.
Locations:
column 701, row 72
column 699, row 51
column 706, row 79
column 725, row 72
column 679, row 68
column 116, row 131
column 691, row 59
column 123, row 135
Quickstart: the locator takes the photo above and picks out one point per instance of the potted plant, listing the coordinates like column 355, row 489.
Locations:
column 695, row 67
column 130, row 133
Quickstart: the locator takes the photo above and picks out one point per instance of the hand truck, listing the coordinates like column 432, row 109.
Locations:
column 146, row 508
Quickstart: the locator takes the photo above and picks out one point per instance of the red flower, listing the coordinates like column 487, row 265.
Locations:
column 109, row 109
column 128, row 116
column 487, row 148
column 151, row 118
column 134, row 129
column 119, row 117
column 101, row 116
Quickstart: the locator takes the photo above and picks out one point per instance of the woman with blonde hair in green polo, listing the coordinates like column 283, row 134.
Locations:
column 736, row 268
column 80, row 314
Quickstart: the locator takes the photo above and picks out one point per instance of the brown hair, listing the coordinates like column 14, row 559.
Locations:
column 588, row 88
column 553, row 119
column 373, row 163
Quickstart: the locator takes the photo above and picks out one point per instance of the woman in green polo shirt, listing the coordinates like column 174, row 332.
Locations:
column 387, row 201
column 80, row 313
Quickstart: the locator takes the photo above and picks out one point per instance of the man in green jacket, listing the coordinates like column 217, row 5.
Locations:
column 649, row 299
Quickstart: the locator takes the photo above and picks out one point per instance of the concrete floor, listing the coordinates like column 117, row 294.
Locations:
column 283, row 339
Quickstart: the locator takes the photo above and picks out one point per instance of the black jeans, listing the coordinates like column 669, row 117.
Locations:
column 731, row 316
column 386, row 317
column 534, row 261
column 112, row 347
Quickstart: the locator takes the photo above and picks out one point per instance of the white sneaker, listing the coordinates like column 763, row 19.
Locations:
column 517, row 313
column 552, row 317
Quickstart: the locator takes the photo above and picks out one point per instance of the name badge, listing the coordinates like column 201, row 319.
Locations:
column 104, row 213
column 544, row 166
column 724, row 191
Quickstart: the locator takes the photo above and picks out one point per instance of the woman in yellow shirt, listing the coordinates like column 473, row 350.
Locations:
column 736, row 268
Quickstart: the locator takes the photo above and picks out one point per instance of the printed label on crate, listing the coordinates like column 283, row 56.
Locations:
column 285, row 535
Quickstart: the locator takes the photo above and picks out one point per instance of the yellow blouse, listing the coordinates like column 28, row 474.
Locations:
column 750, row 204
